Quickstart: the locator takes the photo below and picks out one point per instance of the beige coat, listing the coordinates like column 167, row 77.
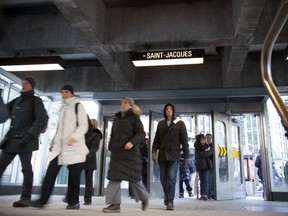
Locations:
column 67, row 128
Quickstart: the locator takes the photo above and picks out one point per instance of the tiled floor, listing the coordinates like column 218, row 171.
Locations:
column 183, row 207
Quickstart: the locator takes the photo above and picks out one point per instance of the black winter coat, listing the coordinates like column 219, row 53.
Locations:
column 28, row 119
column 202, row 157
column 126, row 164
column 92, row 143
column 168, row 140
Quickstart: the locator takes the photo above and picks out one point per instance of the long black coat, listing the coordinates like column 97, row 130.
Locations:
column 28, row 115
column 126, row 164
column 170, row 140
column 92, row 143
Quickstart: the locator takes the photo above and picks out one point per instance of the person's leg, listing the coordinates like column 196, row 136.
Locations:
column 88, row 186
column 49, row 181
column 113, row 192
column 171, row 180
column 5, row 160
column 27, row 171
column 181, row 189
column 200, row 174
column 205, row 183
column 74, row 184
column 139, row 191
column 188, row 186
column 163, row 166
column 192, row 183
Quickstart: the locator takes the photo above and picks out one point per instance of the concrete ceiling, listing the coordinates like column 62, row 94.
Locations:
column 230, row 32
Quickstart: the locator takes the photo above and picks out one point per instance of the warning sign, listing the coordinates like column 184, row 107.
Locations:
column 222, row 151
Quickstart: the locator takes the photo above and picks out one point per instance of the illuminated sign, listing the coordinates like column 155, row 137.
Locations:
column 161, row 58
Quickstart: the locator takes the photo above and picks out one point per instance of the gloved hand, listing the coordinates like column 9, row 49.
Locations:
column 26, row 139
column 186, row 162
column 155, row 157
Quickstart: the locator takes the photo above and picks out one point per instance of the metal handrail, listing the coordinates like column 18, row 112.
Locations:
column 273, row 33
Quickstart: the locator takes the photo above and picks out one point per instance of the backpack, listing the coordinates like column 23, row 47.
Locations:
column 89, row 133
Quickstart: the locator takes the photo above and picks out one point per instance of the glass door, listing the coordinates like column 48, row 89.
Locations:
column 222, row 157
column 154, row 185
column 237, row 157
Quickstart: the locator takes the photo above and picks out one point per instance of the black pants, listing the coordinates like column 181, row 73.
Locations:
column 73, row 182
column 25, row 158
column 88, row 185
column 188, row 186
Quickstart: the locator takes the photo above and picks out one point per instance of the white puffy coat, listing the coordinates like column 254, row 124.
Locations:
column 67, row 128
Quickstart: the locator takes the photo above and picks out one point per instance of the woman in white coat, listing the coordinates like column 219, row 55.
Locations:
column 68, row 148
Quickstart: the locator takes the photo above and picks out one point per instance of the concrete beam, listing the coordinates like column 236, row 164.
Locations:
column 246, row 16
column 35, row 35
column 88, row 18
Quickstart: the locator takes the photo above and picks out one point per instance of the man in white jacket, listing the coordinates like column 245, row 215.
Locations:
column 68, row 148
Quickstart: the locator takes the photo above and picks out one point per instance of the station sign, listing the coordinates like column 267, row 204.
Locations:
column 170, row 57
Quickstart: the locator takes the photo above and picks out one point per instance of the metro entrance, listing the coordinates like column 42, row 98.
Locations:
column 228, row 157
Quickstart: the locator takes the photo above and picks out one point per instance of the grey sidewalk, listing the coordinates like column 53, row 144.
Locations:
column 183, row 207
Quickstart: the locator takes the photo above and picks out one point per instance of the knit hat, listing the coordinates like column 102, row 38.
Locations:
column 69, row 88
column 31, row 81
column 130, row 101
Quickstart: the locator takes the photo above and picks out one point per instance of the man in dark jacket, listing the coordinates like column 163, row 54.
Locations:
column 28, row 119
column 170, row 135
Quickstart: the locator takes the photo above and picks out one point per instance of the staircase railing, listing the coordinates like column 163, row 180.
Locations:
column 273, row 33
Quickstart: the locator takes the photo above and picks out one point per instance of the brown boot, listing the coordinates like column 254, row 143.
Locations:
column 21, row 203
column 113, row 208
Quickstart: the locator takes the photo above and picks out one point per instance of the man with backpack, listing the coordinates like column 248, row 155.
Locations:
column 28, row 119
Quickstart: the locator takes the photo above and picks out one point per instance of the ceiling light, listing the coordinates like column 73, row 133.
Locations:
column 167, row 58
column 31, row 64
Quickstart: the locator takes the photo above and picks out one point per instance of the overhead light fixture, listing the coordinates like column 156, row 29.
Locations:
column 166, row 58
column 31, row 64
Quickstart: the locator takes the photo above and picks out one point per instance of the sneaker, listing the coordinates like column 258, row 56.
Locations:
column 170, row 206
column 205, row 198
column 21, row 203
column 113, row 208
column 201, row 197
column 73, row 206
column 190, row 193
column 87, row 202
column 181, row 195
column 144, row 205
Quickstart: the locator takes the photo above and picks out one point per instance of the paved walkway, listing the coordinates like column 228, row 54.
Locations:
column 183, row 207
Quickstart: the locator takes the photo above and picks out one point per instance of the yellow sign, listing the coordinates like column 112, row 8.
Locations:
column 222, row 151
column 236, row 153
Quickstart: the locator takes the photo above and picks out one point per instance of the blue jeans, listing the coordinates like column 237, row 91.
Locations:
column 204, row 185
column 168, row 178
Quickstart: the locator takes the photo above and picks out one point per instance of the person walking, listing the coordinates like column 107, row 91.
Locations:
column 28, row 119
column 127, row 136
column 67, row 148
column 90, row 164
column 203, row 164
column 171, row 136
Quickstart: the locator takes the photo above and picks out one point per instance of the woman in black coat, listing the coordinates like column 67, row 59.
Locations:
column 203, row 164
column 127, row 136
